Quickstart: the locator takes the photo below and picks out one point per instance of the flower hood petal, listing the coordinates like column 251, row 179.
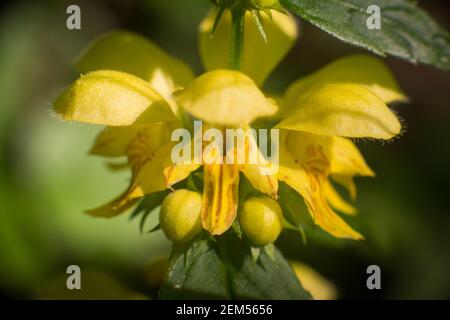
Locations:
column 112, row 98
column 355, row 69
column 345, row 110
column 225, row 97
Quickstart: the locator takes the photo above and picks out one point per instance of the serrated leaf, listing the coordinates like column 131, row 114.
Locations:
column 270, row 278
column 407, row 31
column 226, row 269
column 195, row 274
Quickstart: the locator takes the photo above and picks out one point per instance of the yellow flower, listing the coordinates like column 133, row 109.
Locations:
column 142, row 94
column 221, row 98
column 129, row 87
column 346, row 99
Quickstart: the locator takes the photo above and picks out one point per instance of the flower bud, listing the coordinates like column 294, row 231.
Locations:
column 261, row 220
column 179, row 217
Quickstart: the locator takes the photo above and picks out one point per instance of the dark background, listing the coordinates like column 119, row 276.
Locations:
column 47, row 180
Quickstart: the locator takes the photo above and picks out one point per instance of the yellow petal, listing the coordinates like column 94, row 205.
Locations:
column 113, row 141
column 220, row 197
column 261, row 175
column 150, row 174
column 267, row 184
column 178, row 172
column 295, row 175
column 225, row 97
column 325, row 217
column 334, row 155
column 128, row 198
column 147, row 168
column 345, row 110
column 319, row 287
column 112, row 98
column 347, row 160
column 259, row 59
column 347, row 182
column 335, row 200
column 355, row 69
column 118, row 205
column 309, row 186
column 132, row 53
column 160, row 172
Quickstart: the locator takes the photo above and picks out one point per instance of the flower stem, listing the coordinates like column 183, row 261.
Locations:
column 237, row 37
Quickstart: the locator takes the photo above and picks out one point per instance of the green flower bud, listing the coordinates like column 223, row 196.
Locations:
column 261, row 220
column 179, row 217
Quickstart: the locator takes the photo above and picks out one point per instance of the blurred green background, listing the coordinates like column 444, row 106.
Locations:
column 47, row 179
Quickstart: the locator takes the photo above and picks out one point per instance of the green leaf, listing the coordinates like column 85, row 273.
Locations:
column 196, row 273
column 406, row 31
column 227, row 269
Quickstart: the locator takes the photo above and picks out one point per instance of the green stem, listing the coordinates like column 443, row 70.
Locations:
column 237, row 37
